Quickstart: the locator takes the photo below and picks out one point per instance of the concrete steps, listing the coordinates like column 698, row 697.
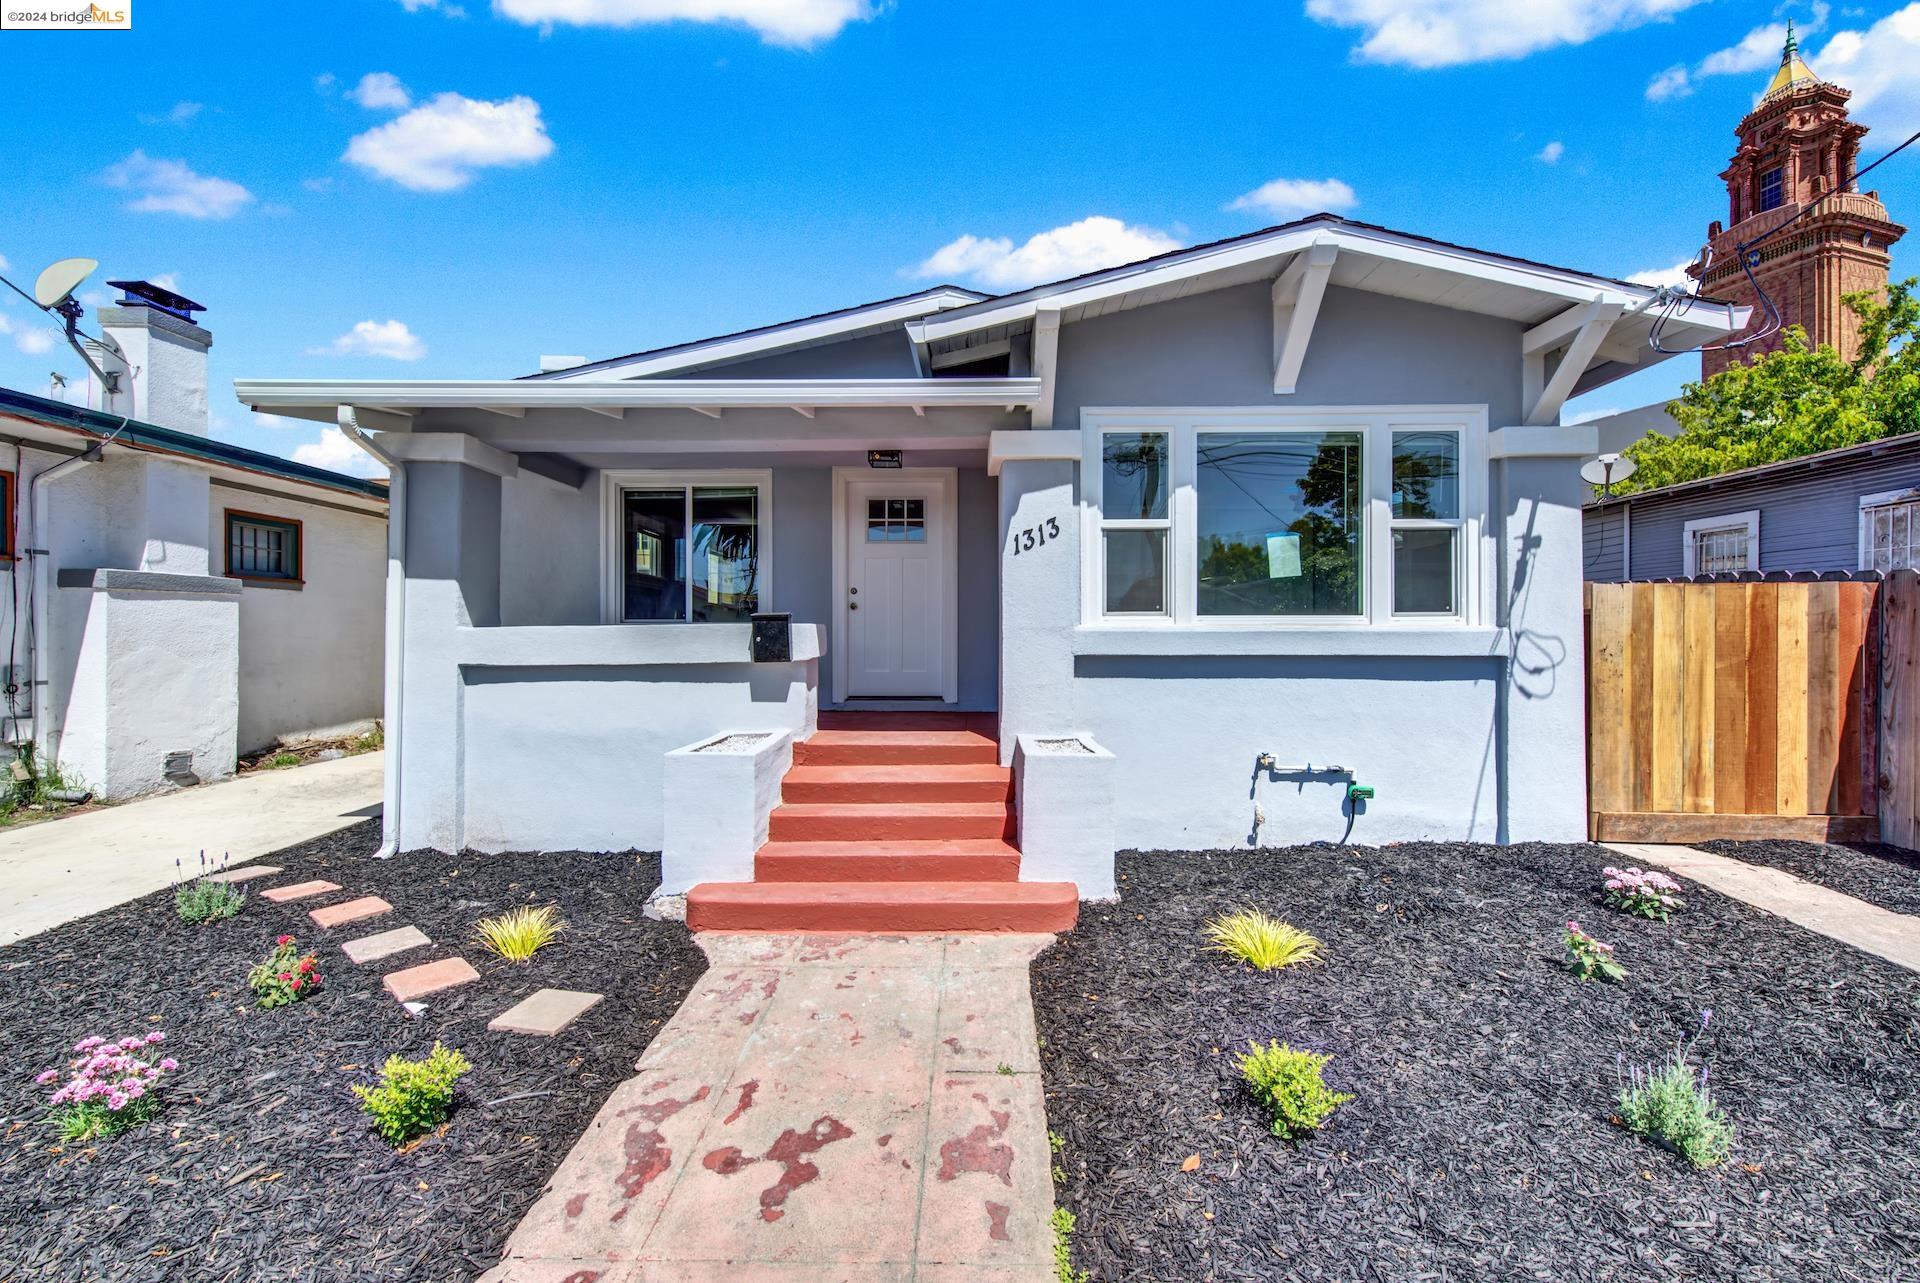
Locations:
column 890, row 822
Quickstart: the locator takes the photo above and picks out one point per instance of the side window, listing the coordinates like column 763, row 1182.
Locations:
column 263, row 548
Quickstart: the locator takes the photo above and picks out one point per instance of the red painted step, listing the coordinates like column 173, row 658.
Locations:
column 910, row 821
column 987, row 724
column 897, row 748
column 883, row 906
column 864, row 785
column 972, row 860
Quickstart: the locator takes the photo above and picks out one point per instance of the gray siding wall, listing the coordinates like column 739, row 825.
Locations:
column 873, row 356
column 1809, row 518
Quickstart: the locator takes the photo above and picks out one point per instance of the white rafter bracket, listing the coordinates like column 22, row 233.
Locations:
column 507, row 411
column 1588, row 325
column 804, row 411
column 1046, row 362
column 711, row 411
column 1297, row 293
column 610, row 411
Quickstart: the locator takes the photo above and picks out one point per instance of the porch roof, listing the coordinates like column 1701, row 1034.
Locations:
column 614, row 398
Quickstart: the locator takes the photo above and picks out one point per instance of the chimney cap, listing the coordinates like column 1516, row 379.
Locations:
column 147, row 294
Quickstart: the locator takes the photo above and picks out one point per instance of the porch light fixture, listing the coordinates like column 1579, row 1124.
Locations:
column 883, row 458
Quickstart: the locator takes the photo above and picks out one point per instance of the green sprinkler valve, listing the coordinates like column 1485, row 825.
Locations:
column 1359, row 792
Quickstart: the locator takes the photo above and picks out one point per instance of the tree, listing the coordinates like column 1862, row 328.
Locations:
column 1795, row 401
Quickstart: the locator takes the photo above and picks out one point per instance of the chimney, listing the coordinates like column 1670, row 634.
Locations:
column 153, row 341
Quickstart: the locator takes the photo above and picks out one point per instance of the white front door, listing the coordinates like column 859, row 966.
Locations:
column 895, row 606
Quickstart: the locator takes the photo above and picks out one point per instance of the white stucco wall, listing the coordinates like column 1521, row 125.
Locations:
column 310, row 656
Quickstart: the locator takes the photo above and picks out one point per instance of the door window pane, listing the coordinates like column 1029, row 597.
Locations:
column 1136, row 572
column 656, row 541
column 1426, row 475
column 1423, row 566
column 1133, row 476
column 726, row 553
column 1279, row 523
column 896, row 521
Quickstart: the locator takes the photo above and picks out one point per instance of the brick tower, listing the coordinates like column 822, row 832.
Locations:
column 1798, row 146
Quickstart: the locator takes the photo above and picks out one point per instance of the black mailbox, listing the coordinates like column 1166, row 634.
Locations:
column 772, row 639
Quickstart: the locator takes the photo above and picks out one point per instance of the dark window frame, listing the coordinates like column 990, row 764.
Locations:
column 8, row 489
column 1772, row 182
column 297, row 577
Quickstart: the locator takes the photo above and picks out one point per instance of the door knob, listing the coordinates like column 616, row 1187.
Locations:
column 853, row 605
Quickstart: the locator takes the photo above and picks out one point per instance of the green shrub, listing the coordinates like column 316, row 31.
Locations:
column 1288, row 1083
column 518, row 934
column 207, row 901
column 414, row 1095
column 1672, row 1106
column 280, row 761
column 1262, row 942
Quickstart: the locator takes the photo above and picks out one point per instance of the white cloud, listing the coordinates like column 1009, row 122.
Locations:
column 181, row 113
column 1291, row 197
column 4, row 265
column 389, row 339
column 1551, row 153
column 1882, row 67
column 166, row 280
column 381, row 91
column 31, row 338
column 1085, row 246
column 322, row 184
column 324, row 82
column 438, row 145
column 1758, row 50
column 796, row 23
column 449, row 10
column 335, row 452
column 1446, row 33
column 1675, row 276
column 172, row 187
column 1571, row 418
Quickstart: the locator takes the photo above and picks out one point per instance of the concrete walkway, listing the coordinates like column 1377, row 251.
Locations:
column 826, row 1109
column 59, row 870
column 1867, row 927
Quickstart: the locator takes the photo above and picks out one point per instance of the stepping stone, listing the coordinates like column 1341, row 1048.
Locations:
column 429, row 977
column 371, row 948
column 545, row 1013
column 334, row 915
column 248, row 874
column 298, row 891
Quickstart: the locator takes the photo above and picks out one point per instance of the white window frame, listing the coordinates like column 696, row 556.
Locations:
column 1376, row 426
column 612, row 546
column 1725, row 521
column 1880, row 499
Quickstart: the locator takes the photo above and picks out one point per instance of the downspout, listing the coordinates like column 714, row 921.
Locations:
column 39, row 690
column 396, row 630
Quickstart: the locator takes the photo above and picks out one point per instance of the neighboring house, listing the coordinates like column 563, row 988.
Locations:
column 1299, row 493
column 1855, row 508
column 177, row 600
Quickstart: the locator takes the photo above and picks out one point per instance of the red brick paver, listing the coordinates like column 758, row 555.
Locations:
column 245, row 874
column 429, row 977
column 372, row 948
column 298, row 891
column 333, row 915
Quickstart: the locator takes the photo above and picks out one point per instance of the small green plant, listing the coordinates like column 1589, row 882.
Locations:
column 280, row 761
column 285, row 977
column 414, row 1096
column 1288, row 1083
column 207, row 901
column 1062, row 1221
column 520, row 933
column 1591, row 959
column 1058, row 1144
column 1645, row 893
column 36, row 782
column 372, row 742
column 1671, row 1106
column 1262, row 942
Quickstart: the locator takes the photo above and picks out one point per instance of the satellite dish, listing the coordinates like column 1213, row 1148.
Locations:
column 58, row 282
column 1607, row 469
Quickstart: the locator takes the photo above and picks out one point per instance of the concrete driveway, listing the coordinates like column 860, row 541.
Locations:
column 64, row 869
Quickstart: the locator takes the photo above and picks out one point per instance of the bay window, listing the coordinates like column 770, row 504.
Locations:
column 1238, row 518
column 686, row 548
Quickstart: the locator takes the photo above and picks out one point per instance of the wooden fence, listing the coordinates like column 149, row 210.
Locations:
column 1744, row 710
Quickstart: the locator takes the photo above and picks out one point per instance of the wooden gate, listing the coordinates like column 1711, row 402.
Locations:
column 1740, row 710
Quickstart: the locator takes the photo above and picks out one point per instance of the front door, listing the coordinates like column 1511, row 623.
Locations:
column 896, row 591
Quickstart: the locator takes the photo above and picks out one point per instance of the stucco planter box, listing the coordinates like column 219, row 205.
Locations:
column 718, row 794
column 1065, row 786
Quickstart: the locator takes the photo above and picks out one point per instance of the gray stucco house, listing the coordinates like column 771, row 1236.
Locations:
column 1855, row 508
column 1186, row 553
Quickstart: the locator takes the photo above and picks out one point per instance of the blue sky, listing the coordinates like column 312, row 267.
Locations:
column 600, row 176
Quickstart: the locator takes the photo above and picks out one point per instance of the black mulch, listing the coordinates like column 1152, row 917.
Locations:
column 1478, row 1146
column 262, row 1166
column 1888, row 876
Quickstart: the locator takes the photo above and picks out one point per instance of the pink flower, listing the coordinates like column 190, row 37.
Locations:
column 88, row 1044
column 136, row 1091
column 157, row 1036
column 284, row 940
column 1573, row 926
column 51, row 1075
column 116, row 1102
column 169, row 1064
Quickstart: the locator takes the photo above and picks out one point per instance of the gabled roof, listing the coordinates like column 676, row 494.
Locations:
column 878, row 317
column 151, row 436
column 1902, row 443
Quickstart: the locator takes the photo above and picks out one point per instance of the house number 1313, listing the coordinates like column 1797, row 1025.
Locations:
column 1035, row 536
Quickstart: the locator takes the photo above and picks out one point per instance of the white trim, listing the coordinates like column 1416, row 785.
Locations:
column 1046, row 363
column 948, row 482
column 1879, row 499
column 1596, row 319
column 613, row 481
column 451, row 447
column 1544, row 441
column 1750, row 521
column 1376, row 424
column 773, row 338
column 602, row 395
column 1005, row 444
column 1297, row 294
